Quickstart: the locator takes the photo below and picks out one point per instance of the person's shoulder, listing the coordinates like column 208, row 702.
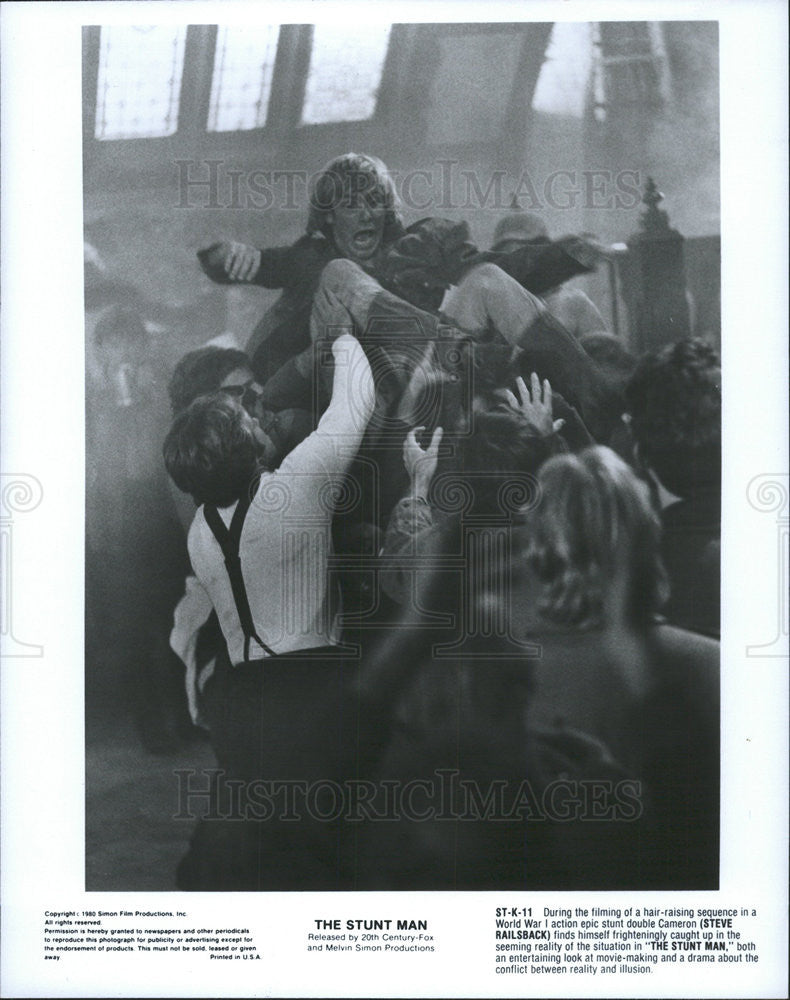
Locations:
column 703, row 511
column 305, row 260
column 314, row 244
column 200, row 531
column 687, row 671
column 197, row 533
column 678, row 647
column 569, row 298
column 284, row 491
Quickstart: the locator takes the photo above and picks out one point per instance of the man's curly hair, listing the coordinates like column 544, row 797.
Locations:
column 202, row 371
column 500, row 459
column 210, row 451
column 353, row 175
column 674, row 398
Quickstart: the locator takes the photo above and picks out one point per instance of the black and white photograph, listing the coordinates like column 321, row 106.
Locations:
column 404, row 575
column 403, row 464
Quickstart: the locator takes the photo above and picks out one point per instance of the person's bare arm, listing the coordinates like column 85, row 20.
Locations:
column 333, row 444
column 412, row 521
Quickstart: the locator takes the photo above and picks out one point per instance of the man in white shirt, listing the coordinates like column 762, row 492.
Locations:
column 215, row 451
column 283, row 713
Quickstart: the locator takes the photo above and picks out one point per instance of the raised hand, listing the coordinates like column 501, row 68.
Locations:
column 535, row 405
column 421, row 462
column 241, row 262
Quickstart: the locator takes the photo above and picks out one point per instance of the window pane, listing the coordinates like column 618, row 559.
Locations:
column 242, row 79
column 345, row 73
column 460, row 106
column 564, row 79
column 631, row 64
column 139, row 81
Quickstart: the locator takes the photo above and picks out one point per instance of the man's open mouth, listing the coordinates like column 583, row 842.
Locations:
column 364, row 238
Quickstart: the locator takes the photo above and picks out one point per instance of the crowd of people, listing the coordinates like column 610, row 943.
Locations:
column 453, row 615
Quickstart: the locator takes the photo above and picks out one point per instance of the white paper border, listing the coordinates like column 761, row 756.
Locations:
column 42, row 436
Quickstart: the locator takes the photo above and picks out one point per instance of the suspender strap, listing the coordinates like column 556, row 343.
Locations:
column 229, row 539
